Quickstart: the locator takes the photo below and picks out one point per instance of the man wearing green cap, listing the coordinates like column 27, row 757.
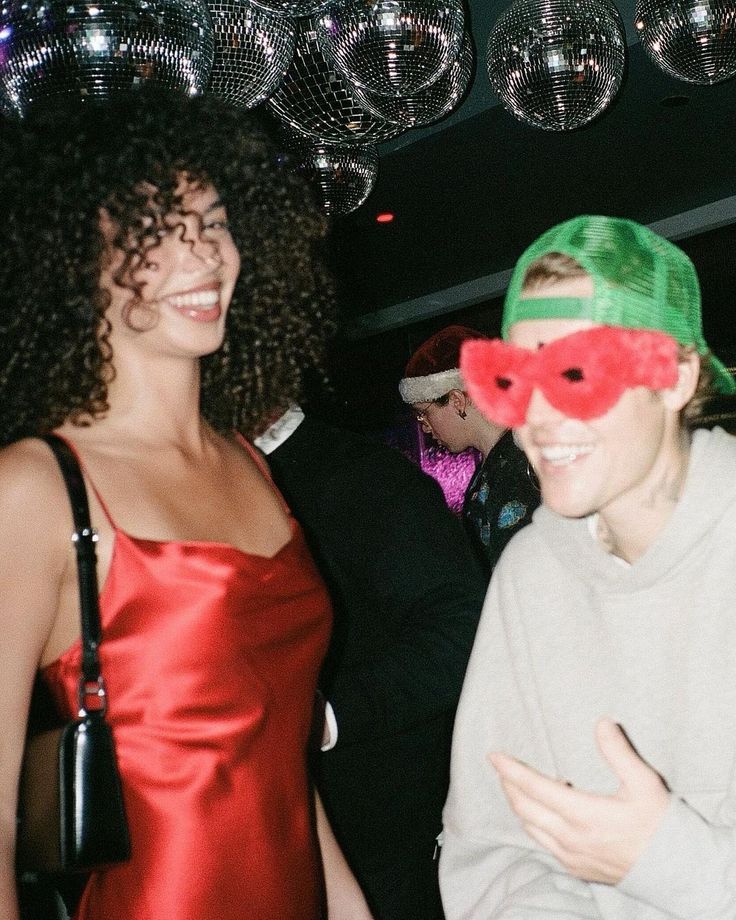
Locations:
column 594, row 755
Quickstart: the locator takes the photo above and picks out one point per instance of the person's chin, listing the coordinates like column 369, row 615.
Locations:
column 569, row 506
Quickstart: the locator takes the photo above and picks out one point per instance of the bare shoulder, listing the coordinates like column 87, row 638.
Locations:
column 33, row 565
column 35, row 525
column 247, row 458
column 31, row 487
column 28, row 462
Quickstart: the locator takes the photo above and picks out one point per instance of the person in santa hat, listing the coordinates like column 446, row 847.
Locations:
column 503, row 492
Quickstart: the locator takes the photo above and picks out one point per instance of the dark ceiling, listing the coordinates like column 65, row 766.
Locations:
column 470, row 193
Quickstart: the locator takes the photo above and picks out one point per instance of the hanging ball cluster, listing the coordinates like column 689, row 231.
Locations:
column 557, row 64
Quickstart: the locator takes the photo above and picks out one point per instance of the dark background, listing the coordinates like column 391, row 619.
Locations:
column 470, row 193
column 365, row 370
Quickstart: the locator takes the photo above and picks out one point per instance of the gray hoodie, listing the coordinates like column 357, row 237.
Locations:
column 569, row 635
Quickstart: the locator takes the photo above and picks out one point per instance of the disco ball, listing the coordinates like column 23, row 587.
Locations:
column 344, row 176
column 557, row 64
column 253, row 50
column 391, row 47
column 430, row 104
column 692, row 40
column 294, row 8
column 96, row 47
column 314, row 100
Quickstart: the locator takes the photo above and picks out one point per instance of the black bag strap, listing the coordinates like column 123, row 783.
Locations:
column 84, row 539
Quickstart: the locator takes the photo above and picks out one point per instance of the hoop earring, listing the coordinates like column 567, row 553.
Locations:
column 462, row 413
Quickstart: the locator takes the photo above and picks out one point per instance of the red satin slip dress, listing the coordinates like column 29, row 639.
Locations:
column 210, row 656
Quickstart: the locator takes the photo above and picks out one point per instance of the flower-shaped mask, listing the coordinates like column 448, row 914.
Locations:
column 583, row 375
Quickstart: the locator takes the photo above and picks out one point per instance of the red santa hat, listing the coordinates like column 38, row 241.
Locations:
column 434, row 368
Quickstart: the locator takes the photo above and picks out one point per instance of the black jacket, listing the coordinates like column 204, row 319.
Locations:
column 500, row 499
column 407, row 591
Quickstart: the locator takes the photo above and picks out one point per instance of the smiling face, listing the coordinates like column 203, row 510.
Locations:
column 176, row 298
column 610, row 464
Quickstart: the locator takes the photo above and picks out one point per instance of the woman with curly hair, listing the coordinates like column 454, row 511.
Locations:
column 155, row 259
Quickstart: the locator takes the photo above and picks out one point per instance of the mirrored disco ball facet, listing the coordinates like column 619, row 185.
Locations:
column 557, row 64
column 95, row 48
column 344, row 176
column 293, row 8
column 691, row 40
column 253, row 50
column 392, row 47
column 314, row 100
column 430, row 104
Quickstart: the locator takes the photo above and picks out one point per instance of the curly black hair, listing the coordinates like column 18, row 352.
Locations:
column 59, row 168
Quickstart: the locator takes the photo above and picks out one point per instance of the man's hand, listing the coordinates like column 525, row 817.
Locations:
column 597, row 838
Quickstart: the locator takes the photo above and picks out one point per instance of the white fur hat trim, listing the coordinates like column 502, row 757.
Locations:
column 425, row 389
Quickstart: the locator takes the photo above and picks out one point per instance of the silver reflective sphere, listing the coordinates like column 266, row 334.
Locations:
column 392, row 47
column 692, row 40
column 557, row 64
column 314, row 100
column 344, row 176
column 253, row 50
column 95, row 48
column 430, row 104
column 294, row 8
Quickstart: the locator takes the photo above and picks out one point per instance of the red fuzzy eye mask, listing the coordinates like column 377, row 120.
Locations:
column 583, row 374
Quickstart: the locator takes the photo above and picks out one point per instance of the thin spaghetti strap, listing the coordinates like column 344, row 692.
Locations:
column 87, row 477
column 259, row 461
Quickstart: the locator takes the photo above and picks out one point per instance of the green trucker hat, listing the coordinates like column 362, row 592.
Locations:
column 640, row 281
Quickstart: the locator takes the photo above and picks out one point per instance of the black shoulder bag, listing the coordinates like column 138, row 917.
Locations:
column 71, row 816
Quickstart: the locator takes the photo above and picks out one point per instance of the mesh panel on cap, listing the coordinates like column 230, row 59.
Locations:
column 640, row 281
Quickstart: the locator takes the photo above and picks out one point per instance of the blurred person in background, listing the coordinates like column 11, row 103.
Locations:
column 503, row 492
column 407, row 590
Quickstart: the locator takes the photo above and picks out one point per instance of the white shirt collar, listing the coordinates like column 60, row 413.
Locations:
column 275, row 435
column 592, row 522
